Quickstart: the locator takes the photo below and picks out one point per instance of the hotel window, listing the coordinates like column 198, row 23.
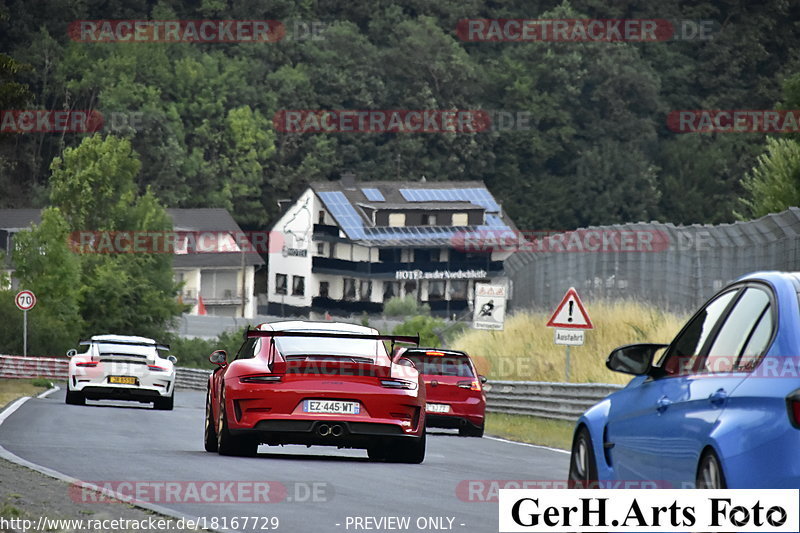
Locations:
column 397, row 220
column 321, row 217
column 365, row 290
column 349, row 289
column 436, row 255
column 298, row 286
column 323, row 289
column 428, row 220
column 280, row 283
column 435, row 290
column 320, row 248
column 391, row 289
column 458, row 290
column 460, row 219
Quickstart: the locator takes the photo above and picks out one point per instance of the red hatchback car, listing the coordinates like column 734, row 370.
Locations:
column 316, row 383
column 455, row 396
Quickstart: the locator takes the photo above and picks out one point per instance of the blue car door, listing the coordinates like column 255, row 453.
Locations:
column 696, row 400
column 638, row 435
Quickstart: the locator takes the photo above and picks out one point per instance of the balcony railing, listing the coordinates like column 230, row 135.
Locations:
column 364, row 268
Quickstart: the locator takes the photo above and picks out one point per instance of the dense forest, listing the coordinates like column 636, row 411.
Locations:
column 598, row 150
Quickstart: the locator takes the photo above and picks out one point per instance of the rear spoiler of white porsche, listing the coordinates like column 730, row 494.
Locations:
column 158, row 346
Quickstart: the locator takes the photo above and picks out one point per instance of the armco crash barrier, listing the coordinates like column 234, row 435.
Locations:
column 561, row 401
column 56, row 368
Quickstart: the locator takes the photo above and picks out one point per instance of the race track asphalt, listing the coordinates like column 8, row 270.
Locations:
column 113, row 442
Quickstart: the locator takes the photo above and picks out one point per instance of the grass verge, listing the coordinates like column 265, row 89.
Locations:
column 525, row 350
column 11, row 389
column 531, row 429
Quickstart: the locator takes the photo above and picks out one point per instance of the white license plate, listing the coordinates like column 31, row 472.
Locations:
column 331, row 407
column 437, row 408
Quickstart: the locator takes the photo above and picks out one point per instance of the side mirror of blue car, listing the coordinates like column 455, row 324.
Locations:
column 636, row 359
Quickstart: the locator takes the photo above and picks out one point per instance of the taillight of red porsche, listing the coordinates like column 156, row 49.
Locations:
column 87, row 364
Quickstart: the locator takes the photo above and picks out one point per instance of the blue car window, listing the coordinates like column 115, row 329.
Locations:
column 758, row 342
column 732, row 337
column 683, row 356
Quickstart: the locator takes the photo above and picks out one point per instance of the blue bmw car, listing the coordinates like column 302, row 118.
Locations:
column 719, row 407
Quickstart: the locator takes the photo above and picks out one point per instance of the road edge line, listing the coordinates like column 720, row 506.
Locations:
column 9, row 456
column 500, row 439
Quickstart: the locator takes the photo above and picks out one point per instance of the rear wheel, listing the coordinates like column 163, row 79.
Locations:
column 229, row 444
column 75, row 398
column 468, row 430
column 209, row 433
column 408, row 450
column 709, row 473
column 165, row 404
column 582, row 465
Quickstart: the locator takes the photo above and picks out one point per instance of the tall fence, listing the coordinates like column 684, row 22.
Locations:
column 682, row 267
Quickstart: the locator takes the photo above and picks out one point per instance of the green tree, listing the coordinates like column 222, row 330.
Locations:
column 774, row 183
column 46, row 265
column 94, row 186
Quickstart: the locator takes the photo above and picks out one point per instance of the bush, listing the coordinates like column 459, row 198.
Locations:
column 405, row 307
column 425, row 326
column 193, row 353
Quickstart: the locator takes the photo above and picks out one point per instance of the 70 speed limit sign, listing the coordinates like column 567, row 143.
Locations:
column 25, row 300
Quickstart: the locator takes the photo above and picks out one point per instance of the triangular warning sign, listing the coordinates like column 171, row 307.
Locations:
column 570, row 313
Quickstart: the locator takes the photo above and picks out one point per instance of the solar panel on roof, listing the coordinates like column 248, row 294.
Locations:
column 373, row 195
column 353, row 225
column 474, row 195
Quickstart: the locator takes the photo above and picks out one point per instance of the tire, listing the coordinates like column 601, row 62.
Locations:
column 407, row 450
column 468, row 430
column 228, row 444
column 582, row 463
column 377, row 452
column 709, row 472
column 209, row 433
column 164, row 404
column 75, row 398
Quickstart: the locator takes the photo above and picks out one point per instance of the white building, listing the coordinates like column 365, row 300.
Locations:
column 348, row 247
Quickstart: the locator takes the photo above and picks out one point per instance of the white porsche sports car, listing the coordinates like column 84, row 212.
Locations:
column 119, row 367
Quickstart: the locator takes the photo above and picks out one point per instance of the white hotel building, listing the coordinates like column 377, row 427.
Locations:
column 348, row 247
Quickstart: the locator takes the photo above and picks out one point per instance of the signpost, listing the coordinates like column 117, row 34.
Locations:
column 571, row 319
column 489, row 306
column 25, row 300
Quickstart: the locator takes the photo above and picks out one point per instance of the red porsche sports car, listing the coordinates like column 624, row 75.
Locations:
column 317, row 383
column 453, row 387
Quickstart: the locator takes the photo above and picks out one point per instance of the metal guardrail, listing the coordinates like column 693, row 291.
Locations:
column 560, row 401
column 56, row 368
column 191, row 378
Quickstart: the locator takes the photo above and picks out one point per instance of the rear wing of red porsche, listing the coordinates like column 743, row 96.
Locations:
column 408, row 339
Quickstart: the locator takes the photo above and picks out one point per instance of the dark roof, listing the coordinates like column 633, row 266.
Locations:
column 347, row 203
column 203, row 219
column 17, row 219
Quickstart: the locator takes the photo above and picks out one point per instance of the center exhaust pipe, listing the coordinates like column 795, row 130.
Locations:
column 337, row 430
column 324, row 430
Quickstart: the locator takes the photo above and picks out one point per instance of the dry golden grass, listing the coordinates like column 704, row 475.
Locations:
column 11, row 389
column 531, row 429
column 525, row 349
